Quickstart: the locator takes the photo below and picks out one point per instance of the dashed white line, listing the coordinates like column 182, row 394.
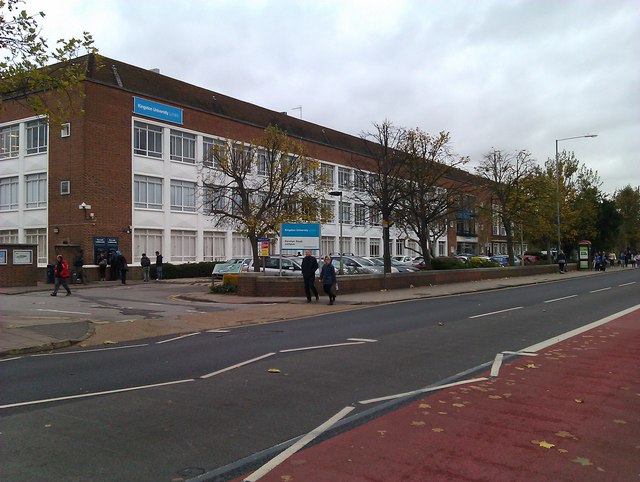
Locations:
column 601, row 289
column 627, row 284
column 497, row 312
column 68, row 312
column 365, row 340
column 176, row 338
column 238, row 365
column 79, row 352
column 560, row 299
column 218, row 331
column 94, row 394
column 319, row 347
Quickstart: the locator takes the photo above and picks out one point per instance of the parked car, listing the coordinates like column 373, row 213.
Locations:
column 355, row 265
column 279, row 265
column 406, row 260
column 396, row 265
column 503, row 259
column 380, row 262
column 233, row 265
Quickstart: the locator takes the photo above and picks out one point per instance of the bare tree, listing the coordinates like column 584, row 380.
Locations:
column 430, row 190
column 379, row 178
column 507, row 176
column 255, row 186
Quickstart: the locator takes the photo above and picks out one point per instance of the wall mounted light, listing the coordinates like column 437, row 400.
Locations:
column 56, row 230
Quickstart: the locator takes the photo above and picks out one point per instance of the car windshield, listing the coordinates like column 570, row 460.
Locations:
column 363, row 261
column 377, row 261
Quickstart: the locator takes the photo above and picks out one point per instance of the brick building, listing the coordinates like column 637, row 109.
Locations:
column 123, row 173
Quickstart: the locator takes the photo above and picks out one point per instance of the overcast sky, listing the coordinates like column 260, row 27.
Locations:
column 505, row 74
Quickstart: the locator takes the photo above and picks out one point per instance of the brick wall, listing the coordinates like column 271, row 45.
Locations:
column 19, row 274
column 256, row 284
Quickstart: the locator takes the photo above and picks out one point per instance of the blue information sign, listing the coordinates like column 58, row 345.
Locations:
column 300, row 236
column 157, row 110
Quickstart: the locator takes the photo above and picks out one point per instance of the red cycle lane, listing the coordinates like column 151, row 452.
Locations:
column 570, row 413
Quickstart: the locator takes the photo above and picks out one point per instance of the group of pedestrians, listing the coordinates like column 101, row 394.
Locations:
column 327, row 277
column 602, row 260
column 114, row 260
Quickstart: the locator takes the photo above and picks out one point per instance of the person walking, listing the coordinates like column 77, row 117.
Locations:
column 61, row 273
column 158, row 266
column 309, row 268
column 114, row 266
column 328, row 278
column 562, row 261
column 145, row 262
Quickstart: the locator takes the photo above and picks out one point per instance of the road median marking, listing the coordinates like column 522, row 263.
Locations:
column 237, row 365
column 496, row 312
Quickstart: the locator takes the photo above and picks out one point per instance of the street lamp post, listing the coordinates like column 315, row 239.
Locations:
column 339, row 193
column 558, row 182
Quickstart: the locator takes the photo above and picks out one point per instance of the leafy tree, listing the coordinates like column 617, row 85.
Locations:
column 429, row 193
column 26, row 73
column 607, row 226
column 627, row 201
column 507, row 176
column 253, row 187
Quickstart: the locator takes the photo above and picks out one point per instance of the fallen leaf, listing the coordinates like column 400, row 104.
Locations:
column 531, row 365
column 273, row 370
column 582, row 461
column 565, row 434
column 546, row 444
column 417, row 424
column 563, row 451
column 437, row 430
column 424, row 405
column 459, row 405
column 579, row 400
column 108, row 342
column 619, row 421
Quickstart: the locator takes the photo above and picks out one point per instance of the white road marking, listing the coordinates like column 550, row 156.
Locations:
column 218, row 331
column 238, row 365
column 552, row 341
column 601, row 289
column 9, row 359
column 497, row 362
column 560, row 299
column 176, row 338
column 69, row 312
column 274, row 462
column 497, row 312
column 79, row 352
column 94, row 394
column 365, row 340
column 627, row 284
column 422, row 390
column 322, row 346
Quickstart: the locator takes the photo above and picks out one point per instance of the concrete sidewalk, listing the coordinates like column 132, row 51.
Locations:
column 23, row 335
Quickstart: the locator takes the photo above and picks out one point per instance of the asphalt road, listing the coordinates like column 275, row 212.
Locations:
column 196, row 403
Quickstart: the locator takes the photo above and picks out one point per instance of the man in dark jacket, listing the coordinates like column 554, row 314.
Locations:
column 309, row 268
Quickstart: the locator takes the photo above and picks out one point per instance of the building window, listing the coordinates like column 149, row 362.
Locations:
column 9, row 236
column 327, row 244
column 328, row 213
column 345, row 244
column 374, row 247
column 147, row 192
column 374, row 216
column 65, row 188
column 326, row 175
column 345, row 212
column 240, row 246
column 262, row 163
column 361, row 247
column 212, row 148
column 214, row 199
column 147, row 241
column 359, row 181
column 9, row 141
column 442, row 248
column 36, row 132
column 344, row 178
column 183, row 147
column 360, row 214
column 400, row 247
column 147, row 139
column 38, row 236
column 9, row 193
column 183, row 196
column 36, row 190
column 183, row 245
column 214, row 245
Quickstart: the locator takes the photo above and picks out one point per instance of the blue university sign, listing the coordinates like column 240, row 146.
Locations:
column 157, row 110
column 300, row 236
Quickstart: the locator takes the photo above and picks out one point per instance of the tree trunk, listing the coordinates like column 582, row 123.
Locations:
column 253, row 239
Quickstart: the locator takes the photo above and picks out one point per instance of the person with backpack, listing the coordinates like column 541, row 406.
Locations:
column 78, row 263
